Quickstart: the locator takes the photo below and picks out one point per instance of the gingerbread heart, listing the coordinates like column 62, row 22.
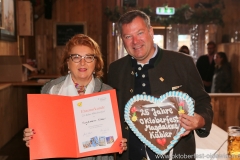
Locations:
column 155, row 120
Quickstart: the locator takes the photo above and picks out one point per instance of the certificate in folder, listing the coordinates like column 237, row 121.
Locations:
column 72, row 127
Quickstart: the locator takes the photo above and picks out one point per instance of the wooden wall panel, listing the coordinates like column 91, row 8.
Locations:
column 46, row 58
column 58, row 54
column 25, row 18
column 51, row 57
column 66, row 14
column 8, row 48
column 226, row 108
column 13, row 110
column 75, row 12
column 4, row 111
column 41, row 51
column 89, row 11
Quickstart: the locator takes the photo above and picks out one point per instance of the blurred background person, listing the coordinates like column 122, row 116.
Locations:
column 206, row 65
column 184, row 49
column 222, row 74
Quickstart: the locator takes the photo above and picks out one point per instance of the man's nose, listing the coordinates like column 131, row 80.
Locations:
column 135, row 39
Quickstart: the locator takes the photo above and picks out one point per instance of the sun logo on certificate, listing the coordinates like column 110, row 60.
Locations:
column 79, row 104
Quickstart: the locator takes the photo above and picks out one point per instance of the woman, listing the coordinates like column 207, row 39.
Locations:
column 81, row 67
column 222, row 74
column 184, row 49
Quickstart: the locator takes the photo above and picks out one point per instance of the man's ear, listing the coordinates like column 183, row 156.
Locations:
column 151, row 31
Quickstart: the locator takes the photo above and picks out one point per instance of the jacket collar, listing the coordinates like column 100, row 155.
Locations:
column 98, row 85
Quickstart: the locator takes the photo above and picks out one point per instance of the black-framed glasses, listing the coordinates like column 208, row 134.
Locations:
column 77, row 58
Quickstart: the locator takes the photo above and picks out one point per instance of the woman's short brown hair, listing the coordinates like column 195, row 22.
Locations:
column 82, row 40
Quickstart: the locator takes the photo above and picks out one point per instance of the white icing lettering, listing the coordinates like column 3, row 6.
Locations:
column 162, row 111
column 149, row 120
column 141, row 121
column 159, row 127
column 160, row 134
column 144, row 112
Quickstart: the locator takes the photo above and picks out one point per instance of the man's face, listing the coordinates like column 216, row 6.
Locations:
column 211, row 49
column 138, row 40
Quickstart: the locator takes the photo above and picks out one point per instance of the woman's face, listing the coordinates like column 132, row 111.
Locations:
column 81, row 71
column 217, row 59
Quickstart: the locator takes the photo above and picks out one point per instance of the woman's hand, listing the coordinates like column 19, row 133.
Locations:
column 123, row 145
column 28, row 135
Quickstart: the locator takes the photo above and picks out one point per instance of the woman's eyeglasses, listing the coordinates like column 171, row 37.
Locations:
column 77, row 58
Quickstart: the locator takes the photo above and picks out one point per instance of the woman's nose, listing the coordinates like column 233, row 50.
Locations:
column 82, row 61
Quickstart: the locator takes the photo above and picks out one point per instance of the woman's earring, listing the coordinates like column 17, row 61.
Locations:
column 69, row 70
column 93, row 72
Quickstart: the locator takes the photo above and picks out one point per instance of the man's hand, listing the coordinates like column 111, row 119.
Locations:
column 191, row 122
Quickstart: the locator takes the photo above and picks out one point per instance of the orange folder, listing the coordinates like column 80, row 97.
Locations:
column 52, row 118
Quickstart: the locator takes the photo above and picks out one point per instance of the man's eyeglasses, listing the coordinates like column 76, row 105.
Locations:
column 77, row 58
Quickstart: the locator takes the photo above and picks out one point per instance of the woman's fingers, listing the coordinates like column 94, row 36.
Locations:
column 27, row 130
column 27, row 143
column 27, row 138
column 123, row 145
column 28, row 135
column 124, row 140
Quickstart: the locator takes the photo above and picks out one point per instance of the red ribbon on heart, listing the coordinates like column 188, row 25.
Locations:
column 161, row 141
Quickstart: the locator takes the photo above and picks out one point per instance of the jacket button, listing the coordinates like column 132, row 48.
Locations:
column 144, row 158
column 132, row 73
column 131, row 90
column 126, row 127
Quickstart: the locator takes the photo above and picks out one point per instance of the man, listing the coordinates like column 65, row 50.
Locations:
column 151, row 70
column 206, row 66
